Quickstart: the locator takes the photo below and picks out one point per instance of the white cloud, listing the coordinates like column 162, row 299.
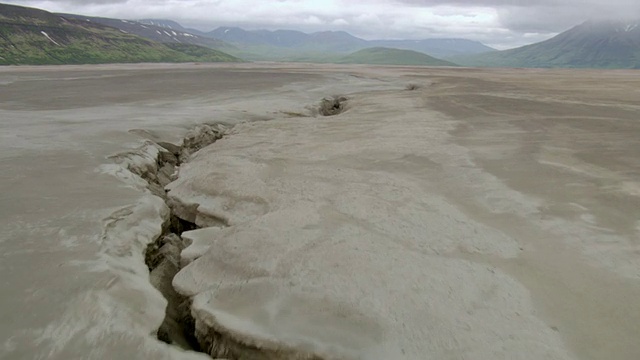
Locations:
column 312, row 20
column 340, row 22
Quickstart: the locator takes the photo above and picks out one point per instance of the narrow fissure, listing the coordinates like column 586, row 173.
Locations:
column 162, row 257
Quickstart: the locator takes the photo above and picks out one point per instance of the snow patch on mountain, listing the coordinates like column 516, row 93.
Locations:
column 48, row 37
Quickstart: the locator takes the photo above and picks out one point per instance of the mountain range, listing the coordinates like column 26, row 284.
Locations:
column 283, row 44
column 33, row 36
column 100, row 39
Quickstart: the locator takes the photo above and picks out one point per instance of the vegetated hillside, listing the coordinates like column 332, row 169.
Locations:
column 593, row 44
column 438, row 48
column 157, row 33
column 33, row 36
column 387, row 56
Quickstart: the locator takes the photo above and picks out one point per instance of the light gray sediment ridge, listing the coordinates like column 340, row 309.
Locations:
column 485, row 214
column 163, row 255
column 379, row 232
column 237, row 217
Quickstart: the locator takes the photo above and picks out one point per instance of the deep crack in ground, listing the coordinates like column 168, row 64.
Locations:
column 162, row 256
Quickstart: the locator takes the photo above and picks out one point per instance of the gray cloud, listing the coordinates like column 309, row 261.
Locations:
column 543, row 15
column 558, row 18
column 500, row 23
column 66, row 3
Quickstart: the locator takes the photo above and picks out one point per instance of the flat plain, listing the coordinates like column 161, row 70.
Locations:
column 455, row 212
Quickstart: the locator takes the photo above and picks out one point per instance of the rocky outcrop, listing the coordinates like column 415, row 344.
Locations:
column 331, row 106
column 199, row 137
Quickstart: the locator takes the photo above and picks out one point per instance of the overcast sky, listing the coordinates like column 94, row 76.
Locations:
column 498, row 23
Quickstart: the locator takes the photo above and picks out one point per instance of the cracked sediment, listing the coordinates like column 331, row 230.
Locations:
column 488, row 213
column 156, row 164
column 164, row 258
column 163, row 255
column 307, row 241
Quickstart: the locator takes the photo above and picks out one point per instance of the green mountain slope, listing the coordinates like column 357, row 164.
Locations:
column 387, row 56
column 153, row 32
column 593, row 44
column 33, row 36
column 438, row 48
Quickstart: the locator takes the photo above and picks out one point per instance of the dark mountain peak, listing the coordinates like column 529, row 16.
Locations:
column 226, row 29
column 163, row 23
column 288, row 38
column 336, row 35
column 588, row 31
column 607, row 26
column 291, row 32
column 283, row 38
column 630, row 27
column 339, row 41
column 229, row 33
column 21, row 13
column 592, row 44
column 333, row 32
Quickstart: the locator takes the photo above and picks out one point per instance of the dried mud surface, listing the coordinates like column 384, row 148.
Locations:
column 484, row 214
